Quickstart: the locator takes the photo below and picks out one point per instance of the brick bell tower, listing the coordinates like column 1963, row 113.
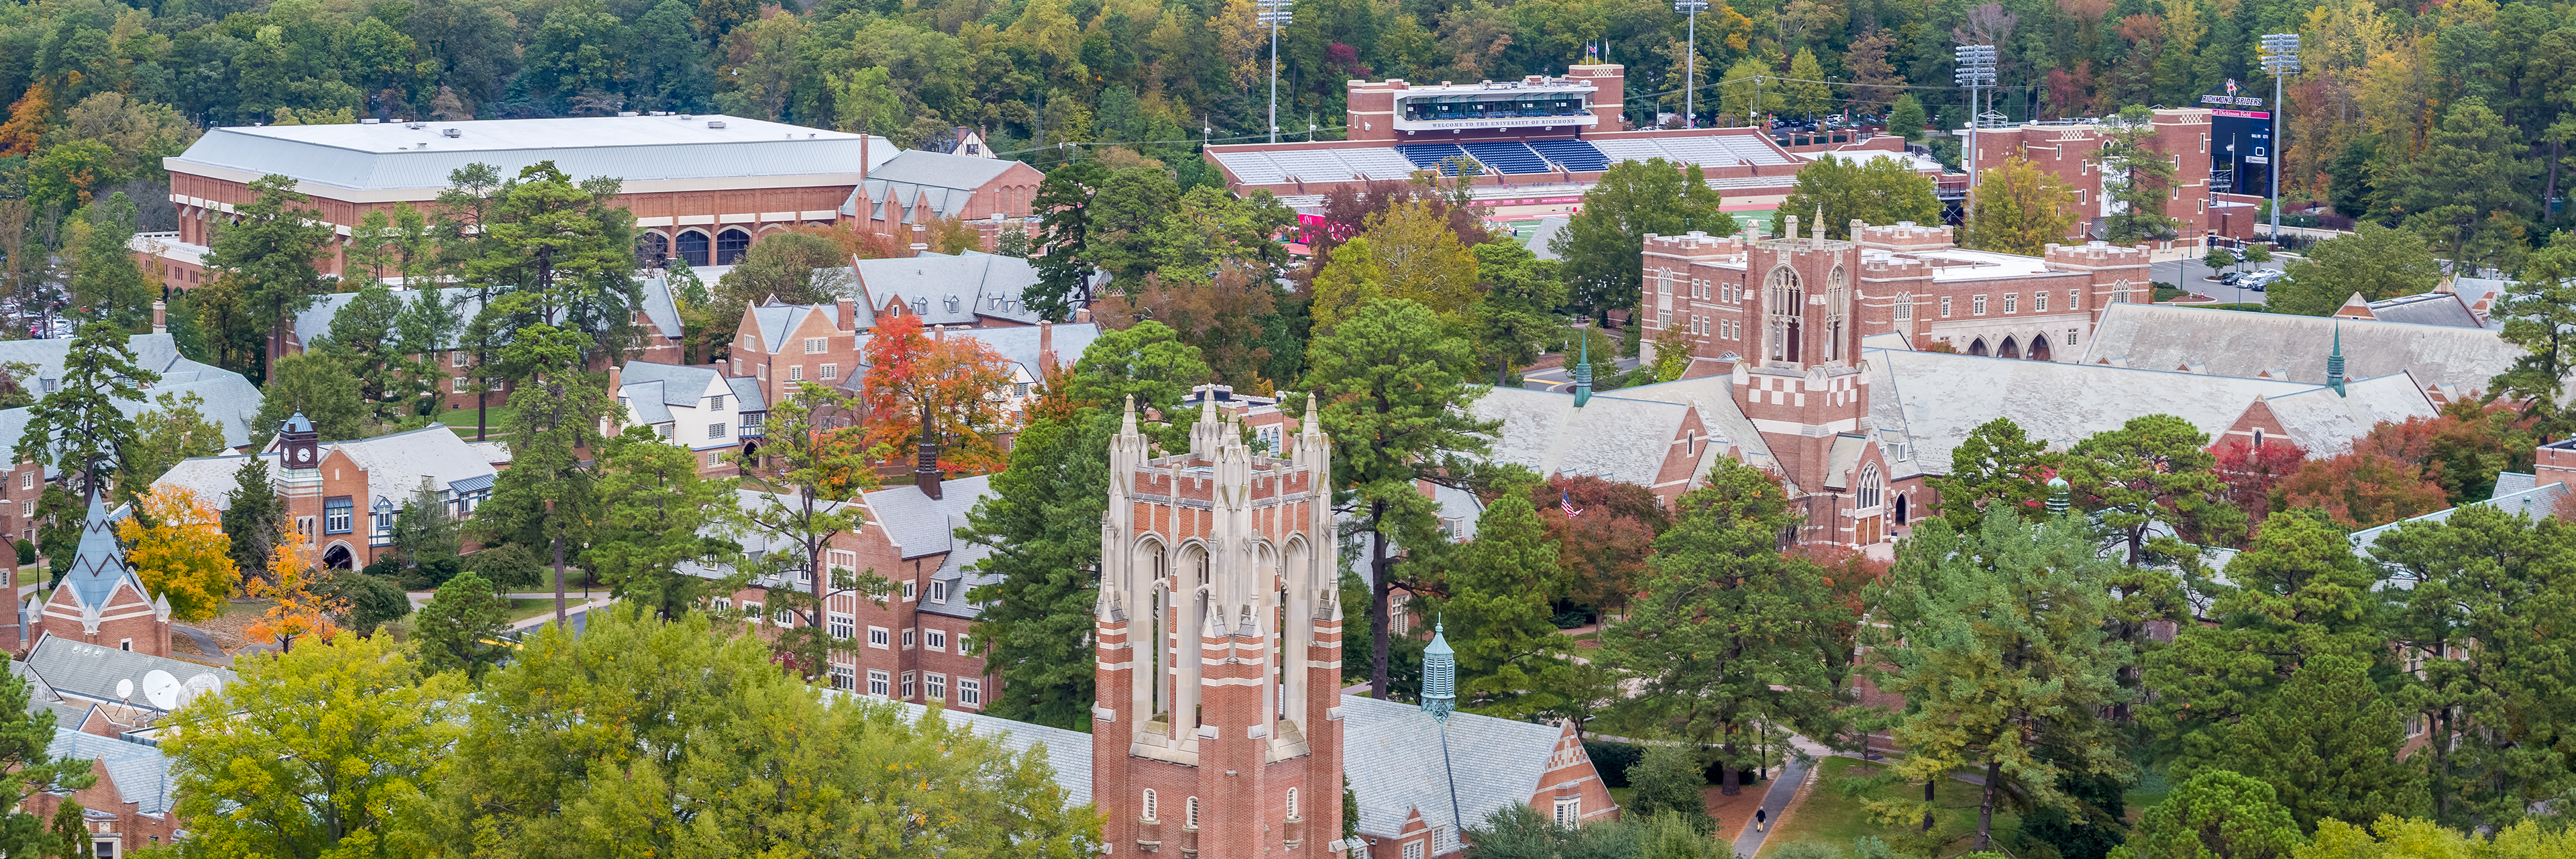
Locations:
column 1217, row 733
column 1803, row 384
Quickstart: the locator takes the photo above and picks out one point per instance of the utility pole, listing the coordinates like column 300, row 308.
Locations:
column 1274, row 13
column 2281, row 58
column 1976, row 72
column 1690, row 60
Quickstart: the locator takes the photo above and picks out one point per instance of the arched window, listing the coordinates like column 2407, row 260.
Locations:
column 693, row 248
column 1977, row 347
column 651, row 249
column 1145, row 809
column 2039, row 347
column 1869, row 486
column 1292, row 803
column 2009, row 349
column 1191, row 812
column 1905, row 307
column 1787, row 296
column 730, row 246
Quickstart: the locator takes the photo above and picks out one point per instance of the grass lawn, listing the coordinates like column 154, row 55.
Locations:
column 523, row 609
column 462, row 421
column 1833, row 817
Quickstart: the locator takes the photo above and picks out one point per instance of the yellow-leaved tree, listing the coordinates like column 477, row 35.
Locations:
column 2020, row 209
column 1408, row 251
column 178, row 547
column 293, row 581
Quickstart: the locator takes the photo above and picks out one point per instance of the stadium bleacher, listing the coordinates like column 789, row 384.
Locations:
column 1428, row 156
column 1508, row 157
column 1571, row 154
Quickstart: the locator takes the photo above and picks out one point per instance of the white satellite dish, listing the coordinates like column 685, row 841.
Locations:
column 125, row 690
column 202, row 684
column 163, row 689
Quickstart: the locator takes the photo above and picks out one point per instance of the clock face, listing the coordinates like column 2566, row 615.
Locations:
column 303, row 454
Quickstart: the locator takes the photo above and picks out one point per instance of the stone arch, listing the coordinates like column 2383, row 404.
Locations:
column 731, row 244
column 339, row 556
column 1900, row 508
column 1977, row 347
column 2039, row 348
column 695, row 246
column 2008, row 349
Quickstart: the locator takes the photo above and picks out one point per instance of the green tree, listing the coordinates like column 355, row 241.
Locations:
column 819, row 471
column 253, row 517
column 1996, row 465
column 1906, row 118
column 2020, row 209
column 27, row 768
column 1807, row 96
column 105, row 276
column 547, row 497
column 2153, row 472
column 2474, row 168
column 1877, row 191
column 176, row 430
column 2479, row 595
column 79, row 428
column 742, row 759
column 2330, row 745
column 1517, row 307
column 1501, row 591
column 2216, row 815
column 659, row 514
column 566, row 257
column 1671, row 779
column 317, row 384
column 2539, row 314
column 2139, row 177
column 1064, row 271
column 268, row 249
column 310, row 753
column 1999, row 640
column 426, row 539
column 1752, row 90
column 1603, row 246
column 1042, row 519
column 2297, row 594
column 2375, row 261
column 1725, row 684
column 1394, row 381
column 796, row 268
column 460, row 628
column 366, row 335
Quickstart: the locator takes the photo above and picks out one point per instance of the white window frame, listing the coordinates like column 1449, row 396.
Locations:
column 934, row 640
column 845, row 678
column 716, row 431
column 831, row 372
column 880, row 637
column 796, row 373
column 1569, row 812
column 1945, row 307
column 910, row 587
column 939, row 588
column 908, row 678
column 2039, row 301
column 934, row 686
column 1905, row 307
column 1977, row 305
column 908, row 637
column 2012, row 302
column 842, row 626
column 970, row 692
column 879, row 684
column 817, row 345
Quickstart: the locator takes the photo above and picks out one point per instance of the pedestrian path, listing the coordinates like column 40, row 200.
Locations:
column 1793, row 775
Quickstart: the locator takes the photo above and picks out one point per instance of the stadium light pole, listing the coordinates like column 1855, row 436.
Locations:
column 1274, row 13
column 1690, row 59
column 2281, row 58
column 1976, row 72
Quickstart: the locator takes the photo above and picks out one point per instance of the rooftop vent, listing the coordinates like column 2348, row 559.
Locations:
column 369, row 121
column 451, row 132
column 415, row 126
column 628, row 113
column 715, row 123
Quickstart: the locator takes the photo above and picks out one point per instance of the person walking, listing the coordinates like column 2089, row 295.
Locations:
column 1761, row 820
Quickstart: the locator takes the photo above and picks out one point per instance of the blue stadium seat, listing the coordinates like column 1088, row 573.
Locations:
column 1512, row 157
column 1575, row 155
column 1430, row 155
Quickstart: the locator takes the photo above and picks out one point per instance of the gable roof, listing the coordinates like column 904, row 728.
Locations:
column 1544, row 235
column 775, row 324
column 141, row 772
column 89, row 671
column 1393, row 754
column 396, row 463
column 951, row 290
column 230, row 400
column 2431, row 308
column 2327, row 424
column 1931, row 400
column 637, row 149
column 919, row 524
column 99, row 564
column 1714, row 398
column 946, row 182
column 1612, row 437
column 1068, row 753
column 2247, row 344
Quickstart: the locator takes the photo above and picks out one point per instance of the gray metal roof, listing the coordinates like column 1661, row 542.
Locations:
column 213, row 478
column 771, row 322
column 1625, row 440
column 637, row 149
column 2244, row 343
column 746, row 392
column 1392, row 753
column 90, row 672
column 396, row 463
column 2537, row 502
column 951, row 290
column 921, row 525
column 141, row 772
column 2431, row 308
column 919, row 178
column 1068, row 753
column 1714, row 398
column 1933, row 400
column 960, row 570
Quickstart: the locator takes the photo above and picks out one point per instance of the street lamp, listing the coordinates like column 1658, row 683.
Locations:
column 1690, row 60
column 2281, row 59
column 1276, row 14
column 1976, row 72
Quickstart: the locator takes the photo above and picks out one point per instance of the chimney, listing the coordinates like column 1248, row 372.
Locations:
column 160, row 317
column 925, row 463
column 1046, row 346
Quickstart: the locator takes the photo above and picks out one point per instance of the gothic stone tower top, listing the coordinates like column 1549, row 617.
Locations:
column 1217, row 731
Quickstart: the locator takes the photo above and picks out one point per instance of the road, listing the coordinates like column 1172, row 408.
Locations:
column 2193, row 271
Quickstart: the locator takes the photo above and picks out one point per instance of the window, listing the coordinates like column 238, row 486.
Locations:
column 1870, row 484
column 27, row 510
column 715, row 458
column 908, row 587
column 26, row 480
column 715, row 431
column 1945, row 307
column 816, row 345
column 1664, row 319
column 693, row 248
column 751, row 611
column 842, row 626
column 2070, row 337
column 907, row 685
column 762, row 370
column 878, row 637
column 338, row 515
column 664, row 430
column 841, row 559
column 730, row 246
column 1292, row 803
column 715, row 403
column 938, row 591
column 1146, row 808
column 877, row 682
column 1413, row 850
column 2073, row 299
column 831, row 371
column 125, row 644
column 723, row 603
column 796, row 373
column 1977, row 306
column 2011, row 300
column 2039, row 302
column 2258, row 437
column 1020, row 390
column 456, row 358
column 962, row 649
column 1904, row 307
column 934, row 687
column 907, row 638
column 845, row 678
column 933, row 639
column 752, row 420
column 1569, row 811
column 784, row 617
column 970, row 691
column 1190, row 813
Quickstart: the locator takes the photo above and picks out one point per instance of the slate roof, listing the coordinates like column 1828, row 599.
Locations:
column 2534, row 502
column 2327, row 424
column 2247, row 344
column 1613, row 437
column 959, row 570
column 230, row 399
column 921, row 525
column 41, row 696
column 395, row 465
column 772, row 321
column 213, row 478
column 1931, row 400
column 2431, row 308
column 637, row 149
column 1392, row 753
column 99, row 564
column 1068, row 753
column 89, row 671
column 141, row 772
column 1545, row 235
column 946, row 181
column 951, row 290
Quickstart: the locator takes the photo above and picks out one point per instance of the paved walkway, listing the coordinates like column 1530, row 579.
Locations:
column 205, row 645
column 1793, row 775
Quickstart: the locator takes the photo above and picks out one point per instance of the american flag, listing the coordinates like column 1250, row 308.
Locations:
column 1565, row 501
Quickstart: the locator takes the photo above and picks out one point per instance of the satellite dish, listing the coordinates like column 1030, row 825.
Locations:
column 163, row 689
column 202, row 684
column 125, row 689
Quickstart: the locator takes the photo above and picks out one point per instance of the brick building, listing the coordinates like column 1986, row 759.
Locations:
column 901, row 197
column 101, row 602
column 343, row 495
column 105, row 704
column 2070, row 149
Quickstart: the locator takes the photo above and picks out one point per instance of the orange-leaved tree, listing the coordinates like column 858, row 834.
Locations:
column 301, row 609
column 178, row 547
column 953, row 388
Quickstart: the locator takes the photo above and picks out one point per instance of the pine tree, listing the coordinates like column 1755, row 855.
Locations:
column 1042, row 519
column 1499, row 608
column 268, row 250
column 2153, row 472
column 2330, row 745
column 2539, row 314
column 316, row 383
column 253, row 517
column 2216, row 815
column 548, row 498
column 2140, row 179
column 1064, row 270
column 367, row 339
column 79, row 428
column 1996, row 465
column 426, row 539
column 658, row 514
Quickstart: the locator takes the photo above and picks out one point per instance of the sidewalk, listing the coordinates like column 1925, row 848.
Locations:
column 1793, row 776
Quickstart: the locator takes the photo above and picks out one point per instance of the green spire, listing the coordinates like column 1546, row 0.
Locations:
column 1439, row 675
column 1583, row 368
column 2334, row 363
column 2057, row 491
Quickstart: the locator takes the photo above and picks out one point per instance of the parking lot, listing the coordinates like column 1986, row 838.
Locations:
column 2192, row 274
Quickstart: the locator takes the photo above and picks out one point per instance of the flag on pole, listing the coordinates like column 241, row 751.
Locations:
column 1565, row 501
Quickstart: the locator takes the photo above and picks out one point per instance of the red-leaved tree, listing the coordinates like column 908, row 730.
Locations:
column 2251, row 472
column 952, row 386
column 2363, row 489
column 1603, row 548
